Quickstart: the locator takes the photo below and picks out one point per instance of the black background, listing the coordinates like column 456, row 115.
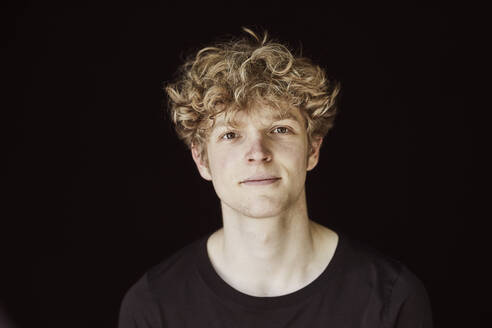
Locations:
column 98, row 188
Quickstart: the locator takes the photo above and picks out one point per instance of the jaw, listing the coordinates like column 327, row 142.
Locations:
column 262, row 205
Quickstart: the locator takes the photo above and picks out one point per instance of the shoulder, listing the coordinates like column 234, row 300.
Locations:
column 404, row 296
column 176, row 268
column 409, row 304
column 141, row 301
column 361, row 259
column 138, row 306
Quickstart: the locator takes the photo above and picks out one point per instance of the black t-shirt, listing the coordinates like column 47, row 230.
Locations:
column 359, row 288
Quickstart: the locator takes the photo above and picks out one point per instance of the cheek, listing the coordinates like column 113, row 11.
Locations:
column 295, row 155
column 221, row 163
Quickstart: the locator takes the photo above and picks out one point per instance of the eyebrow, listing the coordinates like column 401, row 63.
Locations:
column 286, row 116
column 275, row 118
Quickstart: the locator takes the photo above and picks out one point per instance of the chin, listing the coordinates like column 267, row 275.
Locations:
column 261, row 209
column 261, row 214
column 257, row 206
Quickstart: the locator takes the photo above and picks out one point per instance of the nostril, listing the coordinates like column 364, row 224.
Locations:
column 259, row 158
column 258, row 152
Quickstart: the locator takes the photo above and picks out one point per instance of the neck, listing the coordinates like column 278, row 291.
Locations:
column 264, row 255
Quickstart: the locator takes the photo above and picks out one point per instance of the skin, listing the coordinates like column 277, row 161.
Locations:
column 267, row 246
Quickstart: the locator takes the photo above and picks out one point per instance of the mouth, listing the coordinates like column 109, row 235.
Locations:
column 260, row 181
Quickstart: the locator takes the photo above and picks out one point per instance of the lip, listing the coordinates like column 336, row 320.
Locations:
column 259, row 181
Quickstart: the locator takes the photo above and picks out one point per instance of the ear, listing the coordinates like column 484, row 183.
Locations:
column 201, row 164
column 314, row 154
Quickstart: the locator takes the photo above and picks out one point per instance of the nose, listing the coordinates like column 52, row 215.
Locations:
column 258, row 151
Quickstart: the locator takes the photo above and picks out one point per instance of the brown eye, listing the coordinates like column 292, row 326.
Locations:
column 229, row 135
column 281, row 130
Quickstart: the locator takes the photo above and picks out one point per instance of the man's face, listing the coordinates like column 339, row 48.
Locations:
column 258, row 168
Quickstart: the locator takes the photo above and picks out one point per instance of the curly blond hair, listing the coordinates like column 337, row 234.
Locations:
column 231, row 76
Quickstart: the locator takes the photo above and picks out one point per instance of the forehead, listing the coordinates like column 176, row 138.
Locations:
column 262, row 114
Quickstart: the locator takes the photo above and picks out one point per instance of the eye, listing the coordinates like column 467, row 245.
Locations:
column 229, row 135
column 281, row 130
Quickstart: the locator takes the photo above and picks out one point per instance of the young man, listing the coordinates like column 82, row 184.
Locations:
column 254, row 117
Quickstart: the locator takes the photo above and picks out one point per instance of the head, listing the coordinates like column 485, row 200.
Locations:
column 249, row 107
